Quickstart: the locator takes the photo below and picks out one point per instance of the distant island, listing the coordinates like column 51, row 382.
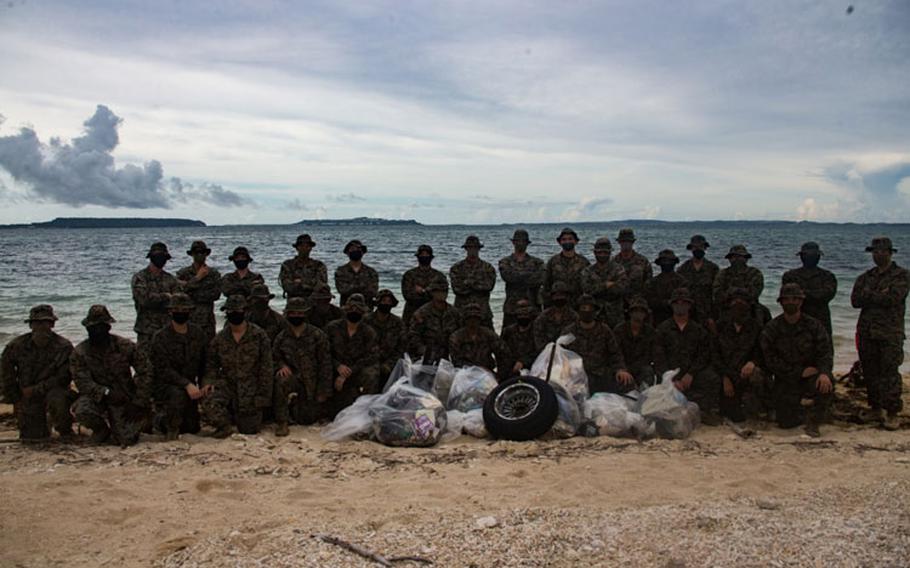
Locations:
column 106, row 223
column 357, row 221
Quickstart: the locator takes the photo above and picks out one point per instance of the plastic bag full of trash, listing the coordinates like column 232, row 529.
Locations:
column 613, row 415
column 568, row 369
column 474, row 424
column 672, row 414
column 407, row 416
column 352, row 422
column 470, row 388
column 435, row 378
column 568, row 419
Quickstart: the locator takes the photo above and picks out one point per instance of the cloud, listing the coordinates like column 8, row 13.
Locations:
column 296, row 205
column 589, row 207
column 83, row 172
column 349, row 197
column 876, row 188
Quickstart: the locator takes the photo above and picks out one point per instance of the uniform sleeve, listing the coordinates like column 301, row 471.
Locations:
column 142, row 296
column 162, row 369
column 207, row 290
column 369, row 354
column 344, row 283
column 285, row 278
column 212, row 363
column 488, row 281
column 858, row 295
column 614, row 353
column 85, row 383
column 58, row 373
column 828, row 290
column 591, row 284
column 893, row 294
column 266, row 372
column 721, row 362
column 373, row 288
column 540, row 334
column 461, row 283
column 756, row 283
column 547, row 282
column 324, row 369
column 504, row 358
column 769, row 346
column 661, row 360
column 455, row 354
column 720, row 294
column 416, row 344
column 142, row 375
column 824, row 353
column 508, row 274
column 9, row 379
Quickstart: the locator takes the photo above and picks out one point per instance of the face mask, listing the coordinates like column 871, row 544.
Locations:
column 810, row 260
column 524, row 322
column 180, row 317
column 158, row 260
column 680, row 309
column 737, row 261
column 355, row 255
column 384, row 308
column 625, row 246
column 638, row 316
column 739, row 313
column 567, row 246
column 259, row 305
column 560, row 302
column 790, row 309
column 99, row 334
column 698, row 254
column 586, row 316
column 424, row 260
column 602, row 256
column 354, row 317
column 41, row 337
column 296, row 321
column 521, row 247
column 236, row 318
column 666, row 267
column 881, row 260
column 241, row 264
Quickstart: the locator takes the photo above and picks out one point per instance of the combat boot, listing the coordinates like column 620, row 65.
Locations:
column 811, row 428
column 892, row 422
column 100, row 435
column 872, row 415
column 281, row 429
column 222, row 432
column 172, row 434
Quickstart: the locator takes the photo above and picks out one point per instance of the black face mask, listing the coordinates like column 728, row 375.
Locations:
column 560, row 302
column 354, row 317
column 666, row 267
column 180, row 317
column 586, row 316
column 158, row 260
column 567, row 246
column 424, row 260
column 810, row 260
column 698, row 253
column 355, row 255
column 790, row 309
column 680, row 309
column 241, row 264
column 99, row 334
column 384, row 308
column 296, row 321
column 738, row 262
column 739, row 313
column 236, row 318
column 524, row 322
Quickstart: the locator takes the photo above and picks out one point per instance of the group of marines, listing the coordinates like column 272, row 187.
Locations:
column 308, row 363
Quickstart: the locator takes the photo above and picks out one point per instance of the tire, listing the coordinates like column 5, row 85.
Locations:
column 521, row 408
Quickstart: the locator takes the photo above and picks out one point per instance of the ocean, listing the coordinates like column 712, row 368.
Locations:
column 74, row 268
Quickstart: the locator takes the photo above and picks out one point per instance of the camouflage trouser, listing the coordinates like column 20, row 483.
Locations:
column 223, row 407
column 606, row 382
column 364, row 381
column 176, row 410
column 789, row 394
column 881, row 359
column 31, row 413
column 705, row 390
column 303, row 409
column 750, row 397
column 97, row 416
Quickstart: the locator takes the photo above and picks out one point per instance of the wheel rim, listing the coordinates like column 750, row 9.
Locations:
column 516, row 401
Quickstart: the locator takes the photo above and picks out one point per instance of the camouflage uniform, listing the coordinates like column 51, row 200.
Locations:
column 658, row 289
column 523, row 278
column 349, row 281
column 98, row 371
column 565, row 269
column 472, row 281
column 310, row 360
column 204, row 292
column 233, row 284
column 600, row 354
column 700, row 282
column 819, row 286
column 271, row 322
column 519, row 342
column 391, row 335
column 734, row 346
column 421, row 276
column 637, row 349
column 788, row 350
column 431, row 327
column 177, row 360
column 637, row 267
column 608, row 284
column 549, row 325
column 44, row 368
column 309, row 271
column 689, row 350
column 151, row 289
column 480, row 346
column 737, row 276
column 323, row 311
column 241, row 373
column 881, row 296
column 359, row 352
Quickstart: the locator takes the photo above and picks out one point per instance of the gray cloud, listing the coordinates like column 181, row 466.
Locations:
column 83, row 172
column 349, row 197
column 296, row 205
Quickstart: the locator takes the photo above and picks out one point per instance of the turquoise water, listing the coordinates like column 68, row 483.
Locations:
column 74, row 268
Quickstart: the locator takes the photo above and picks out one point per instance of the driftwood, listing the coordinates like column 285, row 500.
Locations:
column 369, row 554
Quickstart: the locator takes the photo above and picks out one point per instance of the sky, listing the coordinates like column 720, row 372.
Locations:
column 455, row 112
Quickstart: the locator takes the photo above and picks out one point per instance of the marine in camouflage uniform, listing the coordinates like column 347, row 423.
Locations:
column 390, row 331
column 881, row 295
column 259, row 312
column 819, row 285
column 566, row 266
column 415, row 282
column 607, row 282
column 797, row 352
column 519, row 338
column 475, row 344
column 600, row 353
column 523, row 275
column 152, row 287
column 635, row 338
column 681, row 343
column 432, row 325
column 355, row 277
column 241, row 281
column 114, row 382
column 35, row 377
column 303, row 380
column 473, row 279
column 239, row 373
column 738, row 275
column 202, row 283
column 355, row 355
column 738, row 360
column 637, row 266
column 177, row 359
column 549, row 325
column 324, row 311
column 659, row 288
column 301, row 275
column 699, row 274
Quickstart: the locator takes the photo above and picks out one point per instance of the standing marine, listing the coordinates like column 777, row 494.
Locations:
column 433, row 324
column 260, row 313
column 415, row 283
column 301, row 275
column 607, row 282
column 699, row 274
column 152, row 287
column 355, row 277
column 390, row 332
column 819, row 285
column 565, row 266
column 549, row 325
column 473, row 279
column 636, row 265
column 202, row 283
column 324, row 311
column 241, row 280
column 738, row 275
column 659, row 288
column 523, row 275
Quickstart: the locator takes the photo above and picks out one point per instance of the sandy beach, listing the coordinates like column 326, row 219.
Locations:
column 778, row 498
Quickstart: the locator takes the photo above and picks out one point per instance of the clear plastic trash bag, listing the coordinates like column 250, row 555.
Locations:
column 568, row 369
column 352, row 422
column 568, row 420
column 474, row 424
column 470, row 388
column 672, row 414
column 613, row 415
column 407, row 416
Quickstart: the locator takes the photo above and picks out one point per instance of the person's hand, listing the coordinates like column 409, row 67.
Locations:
column 320, row 398
column 624, row 377
column 284, row 372
column 809, row 371
column 729, row 391
column 684, row 382
column 517, row 367
column 339, row 383
column 207, row 390
column 747, row 370
column 27, row 392
column 824, row 384
column 194, row 391
column 418, row 288
column 344, row 371
column 202, row 272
